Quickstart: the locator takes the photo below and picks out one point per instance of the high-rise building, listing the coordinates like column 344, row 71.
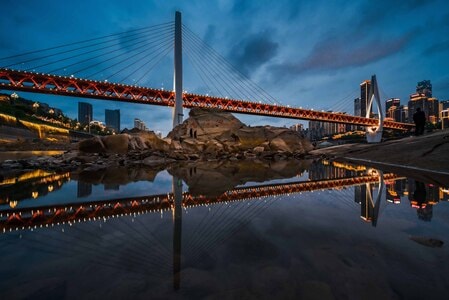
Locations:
column 297, row 127
column 430, row 106
column 112, row 119
column 392, row 102
column 319, row 129
column 357, row 107
column 139, row 124
column 401, row 114
column 85, row 114
column 444, row 105
column 391, row 105
column 424, row 87
column 365, row 88
column 84, row 189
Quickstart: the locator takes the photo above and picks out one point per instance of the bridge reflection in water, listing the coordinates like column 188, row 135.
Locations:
column 371, row 188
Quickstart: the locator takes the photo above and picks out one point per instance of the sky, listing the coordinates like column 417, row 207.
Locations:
column 311, row 54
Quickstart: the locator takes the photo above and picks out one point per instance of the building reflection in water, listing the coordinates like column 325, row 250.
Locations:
column 84, row 189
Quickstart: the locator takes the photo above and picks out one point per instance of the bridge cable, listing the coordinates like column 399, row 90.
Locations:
column 228, row 66
column 221, row 73
column 158, row 60
column 164, row 42
column 96, row 252
column 120, row 43
column 197, row 60
column 155, row 27
column 219, row 238
column 211, row 237
column 148, row 45
column 229, row 74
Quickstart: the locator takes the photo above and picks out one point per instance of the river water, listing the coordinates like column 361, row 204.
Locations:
column 285, row 230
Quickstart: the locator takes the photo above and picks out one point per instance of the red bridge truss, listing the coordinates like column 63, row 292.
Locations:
column 29, row 218
column 76, row 87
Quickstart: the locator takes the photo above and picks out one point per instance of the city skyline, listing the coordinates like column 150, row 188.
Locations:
column 311, row 57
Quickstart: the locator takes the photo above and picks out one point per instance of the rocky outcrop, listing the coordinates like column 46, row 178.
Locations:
column 207, row 134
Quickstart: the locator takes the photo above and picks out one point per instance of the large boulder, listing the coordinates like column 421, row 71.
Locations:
column 204, row 124
column 117, row 143
column 92, row 145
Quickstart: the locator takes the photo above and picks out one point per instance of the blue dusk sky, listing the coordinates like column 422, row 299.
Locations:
column 310, row 54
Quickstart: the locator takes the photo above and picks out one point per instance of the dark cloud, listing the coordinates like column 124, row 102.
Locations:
column 335, row 53
column 437, row 48
column 370, row 13
column 253, row 52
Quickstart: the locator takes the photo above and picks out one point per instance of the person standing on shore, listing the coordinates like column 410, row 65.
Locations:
column 419, row 117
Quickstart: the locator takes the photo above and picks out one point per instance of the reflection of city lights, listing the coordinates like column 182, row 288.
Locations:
column 50, row 188
column 35, row 194
column 372, row 172
column 13, row 204
column 348, row 166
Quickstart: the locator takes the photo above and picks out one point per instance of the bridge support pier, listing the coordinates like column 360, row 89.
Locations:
column 177, row 231
column 177, row 109
column 374, row 133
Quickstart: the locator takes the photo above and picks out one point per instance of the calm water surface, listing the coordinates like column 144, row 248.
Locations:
column 308, row 230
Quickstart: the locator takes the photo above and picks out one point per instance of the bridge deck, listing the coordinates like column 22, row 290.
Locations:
column 76, row 87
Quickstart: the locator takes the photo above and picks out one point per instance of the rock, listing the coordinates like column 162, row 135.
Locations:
column 204, row 124
column 258, row 149
column 153, row 161
column 117, row 143
column 93, row 145
column 279, row 144
column 426, row 241
column 175, row 145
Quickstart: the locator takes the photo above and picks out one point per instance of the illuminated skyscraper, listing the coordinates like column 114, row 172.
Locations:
column 423, row 99
column 391, row 105
column 365, row 87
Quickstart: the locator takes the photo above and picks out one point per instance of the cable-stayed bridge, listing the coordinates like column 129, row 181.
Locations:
column 116, row 68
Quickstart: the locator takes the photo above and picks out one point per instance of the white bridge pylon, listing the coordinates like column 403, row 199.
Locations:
column 374, row 133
